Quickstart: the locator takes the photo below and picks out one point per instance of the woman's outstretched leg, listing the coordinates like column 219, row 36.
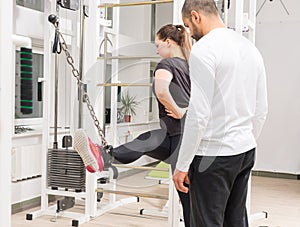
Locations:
column 153, row 143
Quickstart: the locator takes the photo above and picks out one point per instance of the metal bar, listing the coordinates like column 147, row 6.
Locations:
column 260, row 8
column 123, row 84
column 252, row 21
column 258, row 216
column 226, row 12
column 66, row 193
column 283, row 5
column 153, row 23
column 81, row 63
column 128, row 57
column 136, row 194
column 110, row 5
column 154, row 213
column 104, row 76
column 141, row 167
column 177, row 6
column 239, row 16
column 56, row 71
column 55, row 143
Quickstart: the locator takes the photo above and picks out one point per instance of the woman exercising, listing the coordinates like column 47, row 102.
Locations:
column 171, row 87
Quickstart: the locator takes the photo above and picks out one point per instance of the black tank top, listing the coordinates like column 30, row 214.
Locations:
column 180, row 89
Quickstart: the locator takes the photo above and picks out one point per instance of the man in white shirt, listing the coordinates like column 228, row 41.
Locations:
column 228, row 107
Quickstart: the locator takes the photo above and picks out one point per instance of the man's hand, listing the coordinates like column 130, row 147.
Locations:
column 179, row 178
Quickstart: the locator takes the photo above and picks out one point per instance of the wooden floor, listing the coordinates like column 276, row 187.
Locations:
column 280, row 198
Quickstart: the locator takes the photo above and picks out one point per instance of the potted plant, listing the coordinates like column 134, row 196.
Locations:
column 128, row 105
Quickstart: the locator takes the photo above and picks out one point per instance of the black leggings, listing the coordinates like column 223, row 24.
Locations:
column 157, row 144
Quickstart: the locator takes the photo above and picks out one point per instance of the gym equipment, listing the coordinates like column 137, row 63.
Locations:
column 66, row 174
column 80, row 84
column 65, row 169
column 109, row 5
column 69, row 4
column 136, row 194
column 26, row 80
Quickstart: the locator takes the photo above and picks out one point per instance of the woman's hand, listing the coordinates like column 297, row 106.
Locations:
column 179, row 113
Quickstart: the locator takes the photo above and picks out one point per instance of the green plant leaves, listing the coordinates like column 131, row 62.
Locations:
column 129, row 104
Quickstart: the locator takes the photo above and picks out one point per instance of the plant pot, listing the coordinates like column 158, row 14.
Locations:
column 127, row 118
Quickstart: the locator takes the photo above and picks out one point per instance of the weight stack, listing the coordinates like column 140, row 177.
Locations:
column 65, row 170
column 26, row 80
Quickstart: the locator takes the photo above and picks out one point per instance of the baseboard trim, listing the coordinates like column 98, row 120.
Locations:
column 276, row 175
column 29, row 204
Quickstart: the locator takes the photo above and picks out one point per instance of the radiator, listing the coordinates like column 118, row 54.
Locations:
column 26, row 162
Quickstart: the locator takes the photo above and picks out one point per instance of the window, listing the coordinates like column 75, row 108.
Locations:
column 32, row 4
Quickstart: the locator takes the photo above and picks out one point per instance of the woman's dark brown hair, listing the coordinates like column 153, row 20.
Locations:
column 179, row 35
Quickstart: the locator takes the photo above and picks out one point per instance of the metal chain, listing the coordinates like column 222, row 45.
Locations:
column 80, row 85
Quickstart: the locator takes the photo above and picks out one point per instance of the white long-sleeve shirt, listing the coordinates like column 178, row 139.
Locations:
column 228, row 103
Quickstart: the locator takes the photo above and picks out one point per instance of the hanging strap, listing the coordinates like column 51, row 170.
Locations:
column 56, row 44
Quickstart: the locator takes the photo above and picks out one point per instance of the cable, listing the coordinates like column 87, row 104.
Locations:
column 283, row 5
column 260, row 8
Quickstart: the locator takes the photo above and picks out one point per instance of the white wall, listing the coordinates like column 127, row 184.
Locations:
column 6, row 107
column 164, row 15
column 135, row 21
column 277, row 37
column 28, row 22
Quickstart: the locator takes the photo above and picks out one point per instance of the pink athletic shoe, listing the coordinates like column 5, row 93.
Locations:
column 89, row 152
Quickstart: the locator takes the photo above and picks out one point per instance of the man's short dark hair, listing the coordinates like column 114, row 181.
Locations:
column 204, row 6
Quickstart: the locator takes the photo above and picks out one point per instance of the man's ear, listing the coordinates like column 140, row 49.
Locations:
column 195, row 16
